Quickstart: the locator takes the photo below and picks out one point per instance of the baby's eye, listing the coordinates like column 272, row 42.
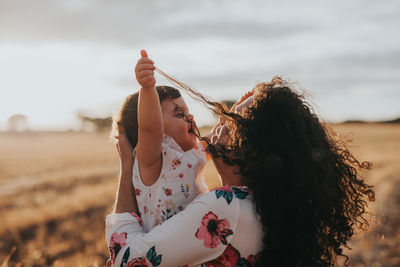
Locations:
column 180, row 115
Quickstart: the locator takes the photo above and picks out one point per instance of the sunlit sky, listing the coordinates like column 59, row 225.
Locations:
column 61, row 57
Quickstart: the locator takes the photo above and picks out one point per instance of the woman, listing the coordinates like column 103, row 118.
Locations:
column 292, row 195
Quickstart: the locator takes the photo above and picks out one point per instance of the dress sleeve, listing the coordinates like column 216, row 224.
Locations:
column 198, row 234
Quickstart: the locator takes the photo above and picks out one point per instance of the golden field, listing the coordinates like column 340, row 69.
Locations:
column 56, row 188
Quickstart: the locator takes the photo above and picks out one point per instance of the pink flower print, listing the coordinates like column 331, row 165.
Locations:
column 189, row 165
column 180, row 208
column 181, row 175
column 137, row 191
column 186, row 194
column 145, row 209
column 213, row 231
column 252, row 259
column 168, row 191
column 117, row 241
column 230, row 257
column 137, row 218
column 141, row 261
column 224, row 188
column 151, row 259
column 175, row 163
column 169, row 204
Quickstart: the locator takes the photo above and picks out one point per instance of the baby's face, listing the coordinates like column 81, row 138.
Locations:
column 179, row 123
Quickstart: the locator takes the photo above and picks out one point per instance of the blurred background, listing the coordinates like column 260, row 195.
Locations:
column 66, row 66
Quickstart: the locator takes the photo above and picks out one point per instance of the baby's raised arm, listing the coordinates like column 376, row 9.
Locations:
column 150, row 123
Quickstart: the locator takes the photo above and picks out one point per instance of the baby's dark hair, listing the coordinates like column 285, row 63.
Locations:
column 127, row 114
column 305, row 182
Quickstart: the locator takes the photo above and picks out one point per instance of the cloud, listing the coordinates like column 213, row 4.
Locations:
column 134, row 22
column 103, row 21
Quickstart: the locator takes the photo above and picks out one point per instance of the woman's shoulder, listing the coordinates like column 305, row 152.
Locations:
column 225, row 196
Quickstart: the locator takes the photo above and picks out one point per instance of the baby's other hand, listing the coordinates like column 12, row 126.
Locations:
column 144, row 71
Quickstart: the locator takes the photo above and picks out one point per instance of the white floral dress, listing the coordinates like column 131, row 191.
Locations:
column 219, row 228
column 181, row 180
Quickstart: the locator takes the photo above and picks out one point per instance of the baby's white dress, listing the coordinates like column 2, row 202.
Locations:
column 181, row 181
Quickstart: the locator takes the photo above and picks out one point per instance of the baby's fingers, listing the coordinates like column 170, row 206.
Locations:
column 145, row 66
column 145, row 61
column 144, row 73
column 148, row 79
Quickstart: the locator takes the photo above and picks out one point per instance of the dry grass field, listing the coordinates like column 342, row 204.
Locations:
column 56, row 188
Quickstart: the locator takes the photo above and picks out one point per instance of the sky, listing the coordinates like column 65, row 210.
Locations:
column 59, row 58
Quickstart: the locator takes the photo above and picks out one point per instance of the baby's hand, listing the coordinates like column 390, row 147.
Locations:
column 144, row 71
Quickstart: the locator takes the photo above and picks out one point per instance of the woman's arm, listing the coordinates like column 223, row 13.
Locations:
column 150, row 123
column 198, row 234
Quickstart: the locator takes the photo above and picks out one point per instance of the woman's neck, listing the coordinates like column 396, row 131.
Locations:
column 232, row 180
column 229, row 175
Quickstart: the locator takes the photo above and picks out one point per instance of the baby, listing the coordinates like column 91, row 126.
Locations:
column 169, row 159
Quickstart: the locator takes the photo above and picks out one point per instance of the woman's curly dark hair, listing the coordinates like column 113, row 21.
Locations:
column 305, row 181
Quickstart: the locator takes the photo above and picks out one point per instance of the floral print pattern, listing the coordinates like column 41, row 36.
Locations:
column 252, row 259
column 213, row 231
column 117, row 241
column 137, row 191
column 231, row 257
column 138, row 262
column 151, row 259
column 137, row 218
column 168, row 191
column 228, row 192
column 166, row 214
column 181, row 181
column 175, row 163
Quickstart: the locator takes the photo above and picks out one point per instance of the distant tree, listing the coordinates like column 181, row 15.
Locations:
column 93, row 124
column 18, row 123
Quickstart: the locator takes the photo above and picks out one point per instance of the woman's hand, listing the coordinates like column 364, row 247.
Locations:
column 124, row 148
column 220, row 134
column 125, row 199
column 243, row 103
column 144, row 71
column 229, row 174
